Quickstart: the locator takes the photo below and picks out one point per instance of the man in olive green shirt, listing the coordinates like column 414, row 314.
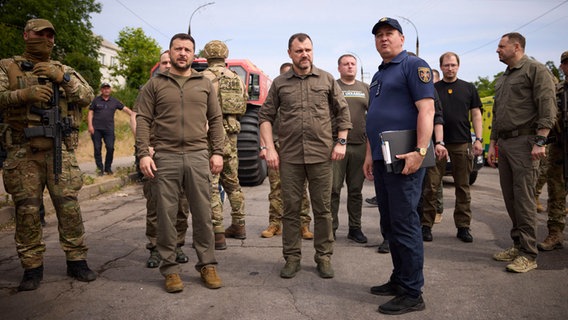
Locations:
column 523, row 114
column 306, row 98
column 348, row 170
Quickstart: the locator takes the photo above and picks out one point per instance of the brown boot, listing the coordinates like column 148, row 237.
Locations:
column 552, row 241
column 306, row 234
column 220, row 243
column 236, row 231
column 173, row 283
column 271, row 231
column 210, row 277
column 539, row 207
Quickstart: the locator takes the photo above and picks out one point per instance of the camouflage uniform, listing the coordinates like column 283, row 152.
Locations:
column 216, row 52
column 229, row 179
column 554, row 178
column 28, row 168
column 542, row 177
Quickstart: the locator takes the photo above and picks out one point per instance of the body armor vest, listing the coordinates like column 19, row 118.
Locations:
column 19, row 117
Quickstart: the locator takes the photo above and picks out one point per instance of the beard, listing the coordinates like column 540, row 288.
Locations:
column 38, row 49
column 302, row 65
column 179, row 67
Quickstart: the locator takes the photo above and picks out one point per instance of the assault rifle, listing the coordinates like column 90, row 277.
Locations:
column 52, row 127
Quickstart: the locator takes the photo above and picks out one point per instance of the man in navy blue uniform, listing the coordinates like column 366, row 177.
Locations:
column 100, row 121
column 401, row 98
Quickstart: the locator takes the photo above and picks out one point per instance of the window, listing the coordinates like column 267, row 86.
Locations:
column 102, row 58
column 241, row 72
column 254, row 87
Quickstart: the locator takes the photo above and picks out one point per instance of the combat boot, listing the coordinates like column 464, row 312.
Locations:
column 552, row 241
column 220, row 243
column 31, row 279
column 306, row 233
column 236, row 231
column 80, row 271
column 271, row 231
column 154, row 260
column 180, row 256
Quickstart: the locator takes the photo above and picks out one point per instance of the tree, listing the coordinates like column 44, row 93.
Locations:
column 555, row 72
column 138, row 54
column 485, row 87
column 76, row 45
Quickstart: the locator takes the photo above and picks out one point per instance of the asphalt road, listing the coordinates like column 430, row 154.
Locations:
column 462, row 281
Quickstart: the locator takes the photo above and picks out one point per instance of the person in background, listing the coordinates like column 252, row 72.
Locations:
column 305, row 99
column 275, row 208
column 402, row 98
column 440, row 196
column 28, row 168
column 348, row 169
column 556, row 205
column 100, row 121
column 233, row 98
column 460, row 103
column 521, row 122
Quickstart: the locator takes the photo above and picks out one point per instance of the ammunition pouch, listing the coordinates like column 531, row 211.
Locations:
column 231, row 124
column 71, row 140
column 41, row 143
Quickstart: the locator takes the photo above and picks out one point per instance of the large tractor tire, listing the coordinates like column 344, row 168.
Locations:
column 252, row 169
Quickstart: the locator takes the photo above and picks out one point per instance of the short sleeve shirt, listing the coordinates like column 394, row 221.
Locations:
column 103, row 112
column 357, row 96
column 393, row 92
column 457, row 98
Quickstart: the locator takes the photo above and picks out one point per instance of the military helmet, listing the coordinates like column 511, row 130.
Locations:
column 216, row 49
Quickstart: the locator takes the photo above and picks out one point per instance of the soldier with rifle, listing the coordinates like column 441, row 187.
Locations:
column 558, row 167
column 41, row 100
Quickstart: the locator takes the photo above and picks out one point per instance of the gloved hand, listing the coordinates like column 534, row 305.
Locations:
column 49, row 70
column 37, row 93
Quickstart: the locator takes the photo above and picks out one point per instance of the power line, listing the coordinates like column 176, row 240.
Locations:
column 139, row 17
column 524, row 25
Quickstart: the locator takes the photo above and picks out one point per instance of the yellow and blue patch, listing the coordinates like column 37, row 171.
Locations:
column 424, row 74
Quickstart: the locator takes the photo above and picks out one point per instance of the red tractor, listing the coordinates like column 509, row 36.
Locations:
column 252, row 169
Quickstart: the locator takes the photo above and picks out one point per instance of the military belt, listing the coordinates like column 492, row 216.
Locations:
column 516, row 133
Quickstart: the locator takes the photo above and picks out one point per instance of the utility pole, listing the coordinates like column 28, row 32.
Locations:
column 194, row 11
column 360, row 63
column 417, row 41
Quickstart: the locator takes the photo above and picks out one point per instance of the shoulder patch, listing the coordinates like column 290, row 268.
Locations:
column 424, row 74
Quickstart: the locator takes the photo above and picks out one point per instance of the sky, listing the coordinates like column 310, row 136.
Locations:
column 259, row 30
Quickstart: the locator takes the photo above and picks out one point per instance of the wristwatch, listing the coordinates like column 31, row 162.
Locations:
column 341, row 141
column 66, row 78
column 540, row 141
column 479, row 139
column 421, row 151
column 262, row 148
column 440, row 143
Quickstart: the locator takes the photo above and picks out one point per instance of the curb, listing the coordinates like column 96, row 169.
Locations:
column 87, row 192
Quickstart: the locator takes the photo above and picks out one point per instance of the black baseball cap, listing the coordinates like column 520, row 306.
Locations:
column 389, row 22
